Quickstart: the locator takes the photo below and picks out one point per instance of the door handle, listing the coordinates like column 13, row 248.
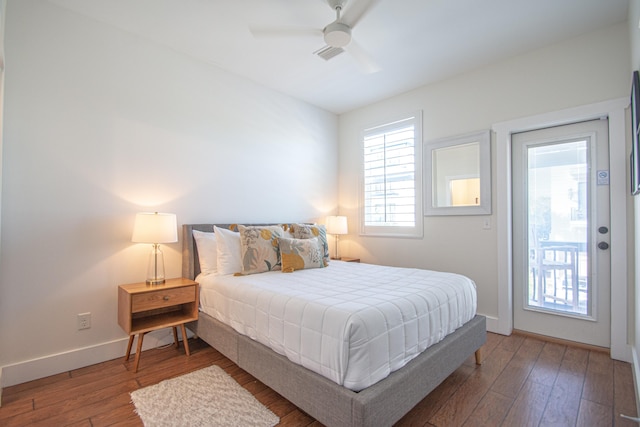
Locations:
column 603, row 245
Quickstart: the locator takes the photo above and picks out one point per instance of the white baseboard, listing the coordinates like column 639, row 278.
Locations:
column 41, row 367
column 635, row 366
column 493, row 324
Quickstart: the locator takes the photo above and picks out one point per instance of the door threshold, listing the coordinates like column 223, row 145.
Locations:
column 562, row 341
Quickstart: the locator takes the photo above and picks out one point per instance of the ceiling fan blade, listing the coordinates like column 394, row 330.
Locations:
column 363, row 59
column 357, row 10
column 285, row 32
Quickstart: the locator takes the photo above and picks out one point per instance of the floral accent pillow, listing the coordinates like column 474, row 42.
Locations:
column 259, row 248
column 298, row 254
column 306, row 231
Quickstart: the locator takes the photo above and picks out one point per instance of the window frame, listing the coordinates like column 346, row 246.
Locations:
column 416, row 231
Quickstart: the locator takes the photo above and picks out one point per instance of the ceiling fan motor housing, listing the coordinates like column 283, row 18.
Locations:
column 337, row 34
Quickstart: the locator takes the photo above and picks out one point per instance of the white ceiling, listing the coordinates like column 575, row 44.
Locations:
column 414, row 42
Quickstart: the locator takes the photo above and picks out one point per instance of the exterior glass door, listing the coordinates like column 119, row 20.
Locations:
column 561, row 265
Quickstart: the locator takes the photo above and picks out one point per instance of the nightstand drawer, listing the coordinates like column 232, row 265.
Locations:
column 162, row 298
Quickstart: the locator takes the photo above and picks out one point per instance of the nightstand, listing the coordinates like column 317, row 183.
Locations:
column 144, row 308
column 347, row 259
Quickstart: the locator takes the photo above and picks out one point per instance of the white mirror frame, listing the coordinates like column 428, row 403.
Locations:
column 484, row 208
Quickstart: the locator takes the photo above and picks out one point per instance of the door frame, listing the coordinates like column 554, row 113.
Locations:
column 618, row 165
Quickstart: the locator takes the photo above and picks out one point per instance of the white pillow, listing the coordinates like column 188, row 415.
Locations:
column 229, row 255
column 207, row 251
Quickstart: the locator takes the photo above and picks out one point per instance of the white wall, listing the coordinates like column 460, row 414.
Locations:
column 584, row 70
column 101, row 124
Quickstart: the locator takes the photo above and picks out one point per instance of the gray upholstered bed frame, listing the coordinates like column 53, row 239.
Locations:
column 382, row 404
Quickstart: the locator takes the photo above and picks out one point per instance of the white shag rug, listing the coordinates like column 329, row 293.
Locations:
column 207, row 397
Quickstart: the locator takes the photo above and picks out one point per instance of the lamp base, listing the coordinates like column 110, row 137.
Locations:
column 155, row 273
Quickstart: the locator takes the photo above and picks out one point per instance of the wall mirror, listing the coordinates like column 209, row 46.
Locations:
column 458, row 175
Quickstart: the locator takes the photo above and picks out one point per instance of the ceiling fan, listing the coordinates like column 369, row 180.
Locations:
column 337, row 34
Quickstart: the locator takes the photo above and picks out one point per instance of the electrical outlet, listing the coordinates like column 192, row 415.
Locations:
column 84, row 321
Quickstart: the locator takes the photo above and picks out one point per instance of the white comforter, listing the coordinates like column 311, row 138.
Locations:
column 352, row 323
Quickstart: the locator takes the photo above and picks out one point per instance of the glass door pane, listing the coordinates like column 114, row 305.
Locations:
column 558, row 206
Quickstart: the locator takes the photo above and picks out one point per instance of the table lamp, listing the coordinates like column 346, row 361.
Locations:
column 155, row 228
column 337, row 225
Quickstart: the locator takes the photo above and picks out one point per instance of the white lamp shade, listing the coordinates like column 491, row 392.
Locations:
column 337, row 225
column 154, row 227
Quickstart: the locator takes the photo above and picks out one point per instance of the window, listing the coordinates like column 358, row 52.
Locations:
column 391, row 199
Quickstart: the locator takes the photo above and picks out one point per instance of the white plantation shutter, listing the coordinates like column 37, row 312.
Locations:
column 392, row 177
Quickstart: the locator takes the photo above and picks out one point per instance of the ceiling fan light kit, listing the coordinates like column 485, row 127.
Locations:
column 337, row 34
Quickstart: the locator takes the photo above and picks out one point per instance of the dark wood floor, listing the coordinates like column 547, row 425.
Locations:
column 523, row 382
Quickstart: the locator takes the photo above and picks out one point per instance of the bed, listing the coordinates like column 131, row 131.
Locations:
column 382, row 402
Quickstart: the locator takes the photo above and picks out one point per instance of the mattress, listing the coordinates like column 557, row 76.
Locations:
column 352, row 323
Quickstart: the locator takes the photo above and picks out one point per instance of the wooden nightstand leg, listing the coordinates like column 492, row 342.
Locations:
column 175, row 337
column 138, row 351
column 184, row 339
column 129, row 347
